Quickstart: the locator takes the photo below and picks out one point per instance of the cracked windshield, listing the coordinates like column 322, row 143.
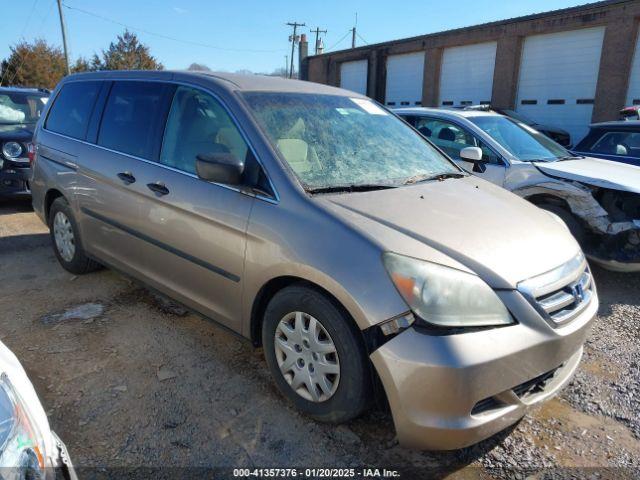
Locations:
column 334, row 141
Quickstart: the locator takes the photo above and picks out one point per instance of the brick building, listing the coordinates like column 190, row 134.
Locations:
column 566, row 68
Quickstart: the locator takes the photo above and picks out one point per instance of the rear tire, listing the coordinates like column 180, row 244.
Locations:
column 320, row 367
column 65, row 238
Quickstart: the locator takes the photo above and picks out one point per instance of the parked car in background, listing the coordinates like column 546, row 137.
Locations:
column 557, row 134
column 320, row 226
column 597, row 199
column 29, row 449
column 630, row 113
column 20, row 109
column 617, row 141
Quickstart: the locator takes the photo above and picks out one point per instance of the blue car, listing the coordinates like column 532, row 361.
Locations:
column 618, row 141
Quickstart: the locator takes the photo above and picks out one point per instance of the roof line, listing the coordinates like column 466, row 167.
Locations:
column 209, row 74
column 533, row 16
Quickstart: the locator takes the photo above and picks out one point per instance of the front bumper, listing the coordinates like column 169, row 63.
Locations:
column 451, row 391
column 14, row 180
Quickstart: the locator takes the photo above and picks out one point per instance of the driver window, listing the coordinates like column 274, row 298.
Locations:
column 197, row 124
column 618, row 143
column 452, row 139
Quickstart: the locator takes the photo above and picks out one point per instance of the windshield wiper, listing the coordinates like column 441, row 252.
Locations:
column 569, row 157
column 430, row 176
column 362, row 187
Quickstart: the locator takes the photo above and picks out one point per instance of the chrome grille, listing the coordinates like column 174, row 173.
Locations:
column 563, row 293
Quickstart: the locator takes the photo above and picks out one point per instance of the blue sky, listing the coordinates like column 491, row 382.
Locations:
column 250, row 34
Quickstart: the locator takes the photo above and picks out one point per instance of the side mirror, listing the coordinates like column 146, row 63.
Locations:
column 474, row 154
column 219, row 168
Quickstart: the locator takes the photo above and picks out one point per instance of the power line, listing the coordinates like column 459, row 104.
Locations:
column 24, row 28
column 339, row 41
column 360, row 37
column 167, row 37
column 23, row 58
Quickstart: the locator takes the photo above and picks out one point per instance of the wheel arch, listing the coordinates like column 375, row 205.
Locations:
column 49, row 198
column 274, row 285
column 548, row 199
column 271, row 288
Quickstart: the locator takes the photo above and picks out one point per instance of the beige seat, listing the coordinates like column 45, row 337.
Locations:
column 296, row 152
column 231, row 138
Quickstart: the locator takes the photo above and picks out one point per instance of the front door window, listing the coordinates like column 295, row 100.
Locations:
column 451, row 138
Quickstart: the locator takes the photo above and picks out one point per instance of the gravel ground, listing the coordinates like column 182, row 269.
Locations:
column 131, row 380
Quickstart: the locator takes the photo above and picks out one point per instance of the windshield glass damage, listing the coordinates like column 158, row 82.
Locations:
column 337, row 143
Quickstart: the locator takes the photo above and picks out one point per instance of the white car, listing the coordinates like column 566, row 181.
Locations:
column 599, row 200
column 29, row 449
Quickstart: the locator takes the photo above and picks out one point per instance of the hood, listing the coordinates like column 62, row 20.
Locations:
column 21, row 132
column 593, row 171
column 489, row 230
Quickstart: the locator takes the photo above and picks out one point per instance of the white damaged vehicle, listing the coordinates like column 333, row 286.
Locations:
column 599, row 200
column 29, row 449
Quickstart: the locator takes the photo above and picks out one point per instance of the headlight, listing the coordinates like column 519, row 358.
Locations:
column 22, row 447
column 11, row 149
column 445, row 296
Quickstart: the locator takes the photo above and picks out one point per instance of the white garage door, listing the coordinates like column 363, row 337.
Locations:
column 558, row 76
column 353, row 76
column 633, row 95
column 466, row 74
column 405, row 74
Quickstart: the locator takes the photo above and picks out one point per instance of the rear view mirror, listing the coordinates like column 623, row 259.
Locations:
column 474, row 154
column 219, row 167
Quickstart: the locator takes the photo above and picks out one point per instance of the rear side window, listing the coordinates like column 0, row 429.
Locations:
column 72, row 109
column 130, row 118
column 619, row 143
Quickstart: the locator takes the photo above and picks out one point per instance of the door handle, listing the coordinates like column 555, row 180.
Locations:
column 126, row 177
column 158, row 188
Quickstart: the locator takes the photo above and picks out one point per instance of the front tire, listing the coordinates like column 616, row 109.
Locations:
column 315, row 355
column 65, row 238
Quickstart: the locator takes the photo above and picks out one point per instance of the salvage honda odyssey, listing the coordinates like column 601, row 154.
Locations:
column 325, row 229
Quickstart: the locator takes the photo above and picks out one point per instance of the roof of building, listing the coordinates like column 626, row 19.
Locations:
column 561, row 11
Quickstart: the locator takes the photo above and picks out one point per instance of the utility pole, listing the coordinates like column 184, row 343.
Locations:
column 64, row 36
column 353, row 33
column 293, row 39
column 286, row 65
column 317, row 31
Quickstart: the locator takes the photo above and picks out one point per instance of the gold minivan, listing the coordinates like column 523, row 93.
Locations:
column 322, row 227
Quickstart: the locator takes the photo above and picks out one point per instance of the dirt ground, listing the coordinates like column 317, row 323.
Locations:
column 129, row 381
